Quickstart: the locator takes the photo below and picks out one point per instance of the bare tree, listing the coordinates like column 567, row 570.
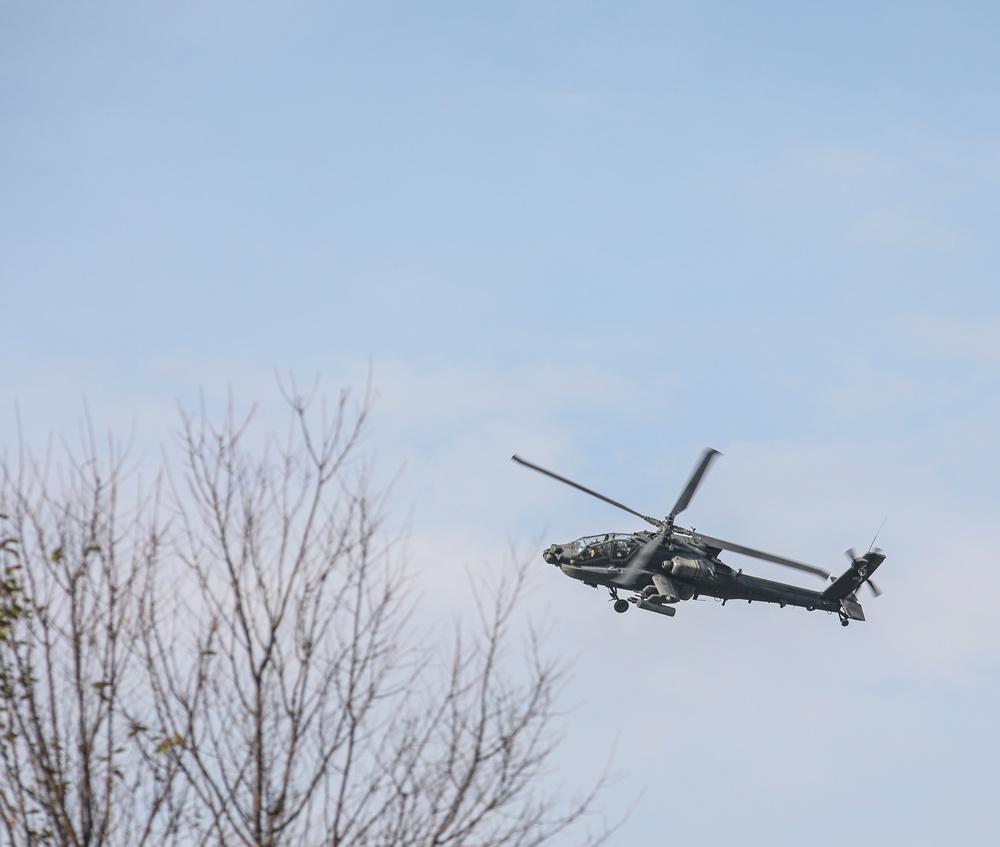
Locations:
column 253, row 667
column 290, row 641
column 468, row 765
column 73, row 561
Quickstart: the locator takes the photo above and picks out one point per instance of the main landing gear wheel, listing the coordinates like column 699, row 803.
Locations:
column 844, row 620
column 620, row 605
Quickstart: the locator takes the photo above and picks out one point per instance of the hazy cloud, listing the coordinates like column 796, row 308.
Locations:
column 899, row 228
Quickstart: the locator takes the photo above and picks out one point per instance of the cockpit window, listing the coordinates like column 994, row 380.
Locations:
column 610, row 545
column 591, row 540
column 623, row 548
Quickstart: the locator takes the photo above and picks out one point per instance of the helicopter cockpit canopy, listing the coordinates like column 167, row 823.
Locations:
column 615, row 546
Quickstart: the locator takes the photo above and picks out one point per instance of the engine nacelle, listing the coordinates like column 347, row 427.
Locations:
column 689, row 568
column 672, row 591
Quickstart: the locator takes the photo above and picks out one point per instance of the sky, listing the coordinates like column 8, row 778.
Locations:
column 603, row 236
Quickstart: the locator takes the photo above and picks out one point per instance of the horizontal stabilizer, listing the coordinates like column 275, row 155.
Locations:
column 852, row 608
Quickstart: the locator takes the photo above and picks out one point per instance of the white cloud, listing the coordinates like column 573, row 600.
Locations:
column 900, row 227
column 838, row 166
column 973, row 342
column 570, row 102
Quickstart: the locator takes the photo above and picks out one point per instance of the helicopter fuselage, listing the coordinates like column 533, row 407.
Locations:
column 675, row 564
column 682, row 569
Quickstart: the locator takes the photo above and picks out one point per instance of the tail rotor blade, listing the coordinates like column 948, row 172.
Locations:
column 852, row 554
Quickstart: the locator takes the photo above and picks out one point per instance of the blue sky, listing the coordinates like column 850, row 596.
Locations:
column 602, row 235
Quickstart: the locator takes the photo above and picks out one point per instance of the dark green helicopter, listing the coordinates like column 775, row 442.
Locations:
column 673, row 564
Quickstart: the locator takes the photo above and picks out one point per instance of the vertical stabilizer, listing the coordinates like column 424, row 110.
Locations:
column 845, row 585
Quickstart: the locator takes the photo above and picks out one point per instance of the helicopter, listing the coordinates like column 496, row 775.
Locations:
column 674, row 564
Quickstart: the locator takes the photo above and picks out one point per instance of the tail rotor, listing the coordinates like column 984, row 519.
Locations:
column 860, row 565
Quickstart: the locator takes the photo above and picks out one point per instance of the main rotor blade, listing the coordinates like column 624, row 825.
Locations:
column 688, row 492
column 589, row 491
column 759, row 554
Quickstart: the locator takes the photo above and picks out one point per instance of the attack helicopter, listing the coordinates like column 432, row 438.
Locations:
column 673, row 564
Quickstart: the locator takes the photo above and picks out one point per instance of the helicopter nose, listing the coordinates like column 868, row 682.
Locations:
column 551, row 554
